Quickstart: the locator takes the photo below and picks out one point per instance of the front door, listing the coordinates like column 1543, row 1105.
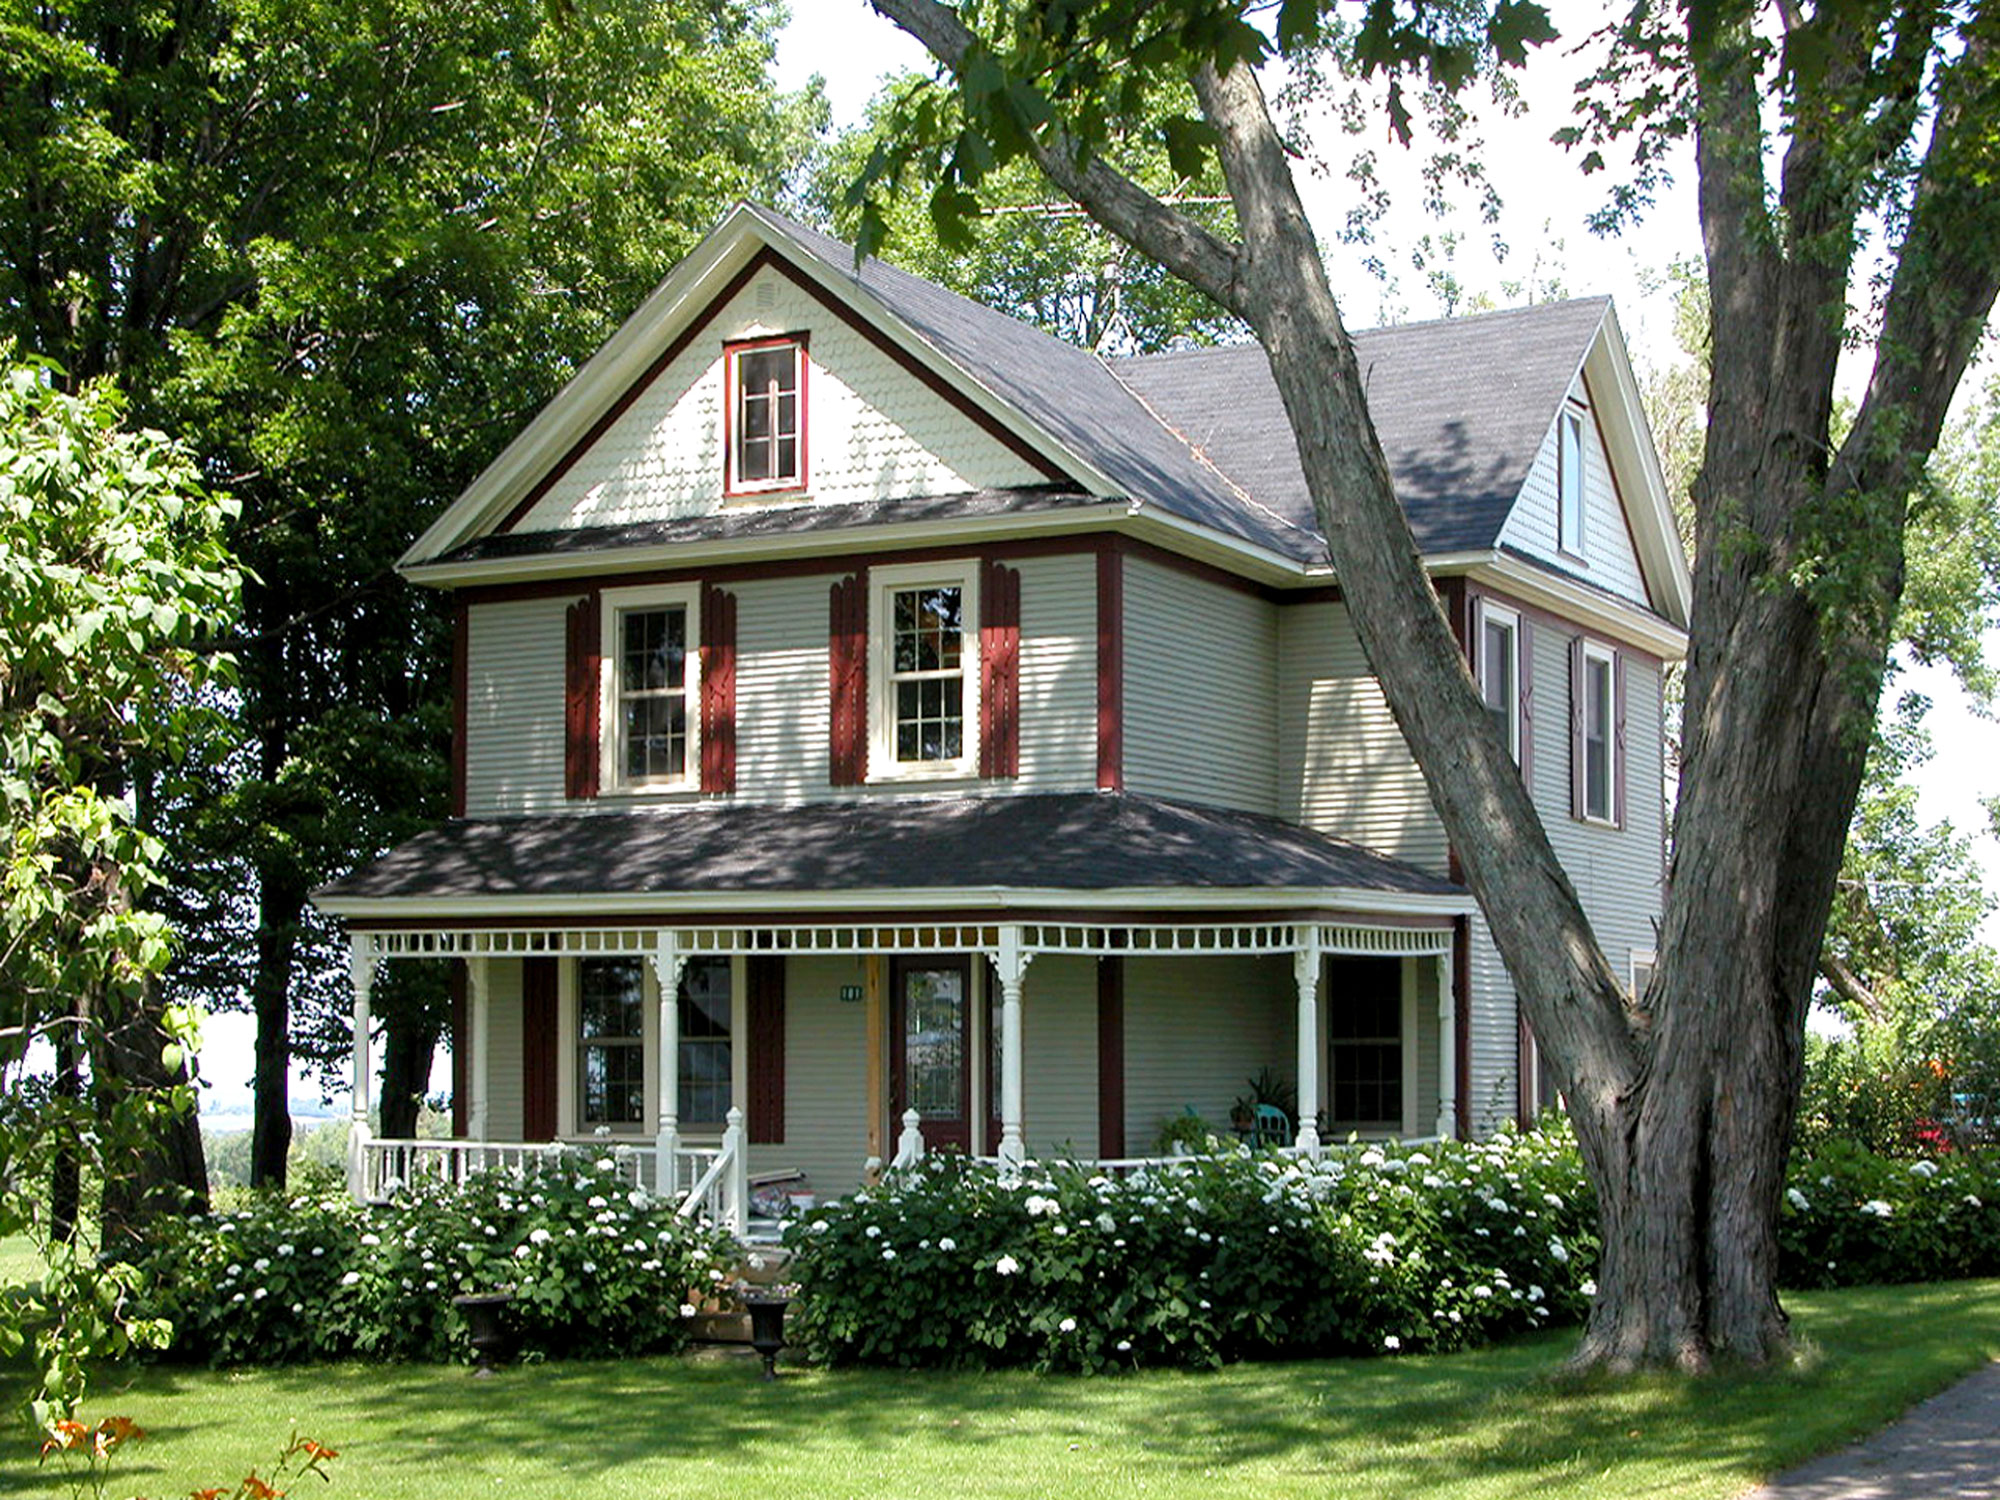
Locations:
column 930, row 1047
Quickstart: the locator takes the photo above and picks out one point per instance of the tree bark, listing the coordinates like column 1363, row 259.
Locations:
column 282, row 903
column 66, row 1172
column 160, row 1170
column 408, row 1044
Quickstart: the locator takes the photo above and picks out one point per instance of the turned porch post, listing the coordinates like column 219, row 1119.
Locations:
column 1012, row 962
column 668, row 961
column 478, row 1036
column 361, row 962
column 1447, row 1121
column 1305, row 971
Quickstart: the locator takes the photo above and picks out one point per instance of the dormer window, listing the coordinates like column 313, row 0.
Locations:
column 767, row 403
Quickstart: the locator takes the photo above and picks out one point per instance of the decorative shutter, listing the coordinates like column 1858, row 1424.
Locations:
column 1618, row 739
column 1524, row 647
column 581, row 680
column 1576, row 728
column 539, row 1039
column 847, row 659
column 461, row 1063
column 765, row 1025
column 718, row 691
column 1111, row 1056
column 999, row 671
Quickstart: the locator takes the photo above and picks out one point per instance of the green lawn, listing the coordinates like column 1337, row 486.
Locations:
column 18, row 1260
column 1490, row 1423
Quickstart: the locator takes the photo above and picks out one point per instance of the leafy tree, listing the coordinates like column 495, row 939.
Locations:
column 1810, row 124
column 113, row 575
column 345, row 249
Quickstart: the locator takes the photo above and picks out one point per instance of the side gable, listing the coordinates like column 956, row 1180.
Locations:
column 877, row 428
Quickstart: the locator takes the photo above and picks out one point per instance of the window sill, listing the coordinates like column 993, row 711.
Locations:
column 926, row 775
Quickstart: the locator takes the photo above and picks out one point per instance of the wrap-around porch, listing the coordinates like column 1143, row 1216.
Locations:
column 708, row 1055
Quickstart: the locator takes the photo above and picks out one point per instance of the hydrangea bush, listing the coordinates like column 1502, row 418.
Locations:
column 596, row 1267
column 1371, row 1248
column 1851, row 1217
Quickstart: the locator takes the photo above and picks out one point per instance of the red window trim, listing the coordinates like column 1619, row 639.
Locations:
column 732, row 487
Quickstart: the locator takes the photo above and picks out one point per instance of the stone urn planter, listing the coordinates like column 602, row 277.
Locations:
column 767, row 1327
column 485, row 1328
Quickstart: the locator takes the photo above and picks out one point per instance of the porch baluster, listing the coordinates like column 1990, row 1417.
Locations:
column 910, row 1144
column 1447, row 1123
column 361, row 961
column 668, row 961
column 1305, row 970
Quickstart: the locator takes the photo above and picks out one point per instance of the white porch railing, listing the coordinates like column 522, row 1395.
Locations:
column 711, row 1181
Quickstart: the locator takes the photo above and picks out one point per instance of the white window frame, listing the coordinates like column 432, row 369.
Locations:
column 618, row 603
column 1572, row 475
column 569, row 1106
column 1640, row 958
column 1499, row 614
column 732, row 395
column 884, row 584
column 1595, row 653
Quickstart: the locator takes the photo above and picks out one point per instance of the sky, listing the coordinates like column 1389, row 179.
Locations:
column 1545, row 204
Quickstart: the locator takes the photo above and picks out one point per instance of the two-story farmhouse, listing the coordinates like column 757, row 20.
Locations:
column 869, row 704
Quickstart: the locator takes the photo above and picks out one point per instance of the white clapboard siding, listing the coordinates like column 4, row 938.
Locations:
column 1196, row 1030
column 782, row 688
column 1345, row 767
column 1059, row 1056
column 514, row 706
column 1201, row 688
column 826, row 1078
column 1608, row 559
column 505, row 1112
column 874, row 431
column 1058, row 666
column 1493, row 1097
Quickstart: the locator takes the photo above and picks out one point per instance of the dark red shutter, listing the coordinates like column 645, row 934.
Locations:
column 999, row 670
column 1111, row 1056
column 461, row 1061
column 1578, row 714
column 1618, row 739
column 718, row 691
column 539, row 1039
column 765, row 1024
column 581, row 706
column 847, row 662
column 1524, row 646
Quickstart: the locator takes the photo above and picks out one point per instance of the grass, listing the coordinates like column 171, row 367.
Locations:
column 18, row 1260
column 1487, row 1424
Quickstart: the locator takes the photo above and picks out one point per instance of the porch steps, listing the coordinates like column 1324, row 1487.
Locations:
column 764, row 1263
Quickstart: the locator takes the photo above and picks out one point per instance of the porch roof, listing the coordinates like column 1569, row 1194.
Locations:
column 1095, row 843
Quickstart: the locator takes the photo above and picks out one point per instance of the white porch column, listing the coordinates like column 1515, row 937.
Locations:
column 1012, row 962
column 1447, row 1121
column 1305, row 970
column 361, row 962
column 478, row 1040
column 668, row 961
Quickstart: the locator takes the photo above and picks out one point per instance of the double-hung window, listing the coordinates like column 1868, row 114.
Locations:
column 611, row 1044
column 766, row 431
column 1365, row 1044
column 1596, row 738
column 1569, row 481
column 926, row 684
column 651, row 665
column 705, row 1062
column 1500, row 671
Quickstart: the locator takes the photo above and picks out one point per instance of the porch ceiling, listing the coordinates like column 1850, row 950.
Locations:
column 1093, row 844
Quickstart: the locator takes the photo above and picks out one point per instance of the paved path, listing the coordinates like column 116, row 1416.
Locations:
column 1945, row 1449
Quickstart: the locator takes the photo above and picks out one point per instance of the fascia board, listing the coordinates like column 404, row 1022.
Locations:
column 1603, row 613
column 1166, row 900
column 1608, row 367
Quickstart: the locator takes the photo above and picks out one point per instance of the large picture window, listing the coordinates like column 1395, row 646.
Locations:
column 926, row 644
column 767, row 396
column 651, row 714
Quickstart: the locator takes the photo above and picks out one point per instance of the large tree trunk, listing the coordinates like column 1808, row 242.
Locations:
column 408, row 1043
column 66, row 1172
column 282, row 904
column 161, row 1171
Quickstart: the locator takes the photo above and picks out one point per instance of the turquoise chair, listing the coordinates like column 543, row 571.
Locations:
column 1270, row 1127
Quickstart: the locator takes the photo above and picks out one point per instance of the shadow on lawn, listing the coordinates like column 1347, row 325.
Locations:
column 1403, row 1426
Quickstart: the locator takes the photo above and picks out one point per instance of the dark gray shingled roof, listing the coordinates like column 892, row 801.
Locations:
column 775, row 520
column 1461, row 407
column 1083, row 842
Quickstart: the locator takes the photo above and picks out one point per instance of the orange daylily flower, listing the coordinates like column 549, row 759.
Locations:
column 116, row 1430
column 256, row 1489
column 66, row 1435
column 214, row 1494
column 317, row 1452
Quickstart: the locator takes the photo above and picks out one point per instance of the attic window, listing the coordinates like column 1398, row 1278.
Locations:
column 767, row 402
column 1569, row 482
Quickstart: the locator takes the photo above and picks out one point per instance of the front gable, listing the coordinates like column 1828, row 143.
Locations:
column 874, row 427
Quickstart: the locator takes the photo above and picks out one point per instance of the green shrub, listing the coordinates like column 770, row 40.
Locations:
column 1198, row 1261
column 596, row 1268
column 1852, row 1217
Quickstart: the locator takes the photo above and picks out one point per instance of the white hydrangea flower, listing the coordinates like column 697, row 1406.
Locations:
column 1878, row 1208
column 348, row 1280
column 1006, row 1265
column 947, row 1244
column 1925, row 1169
column 1589, row 1287
column 1067, row 1325
column 1797, row 1199
column 1392, row 1342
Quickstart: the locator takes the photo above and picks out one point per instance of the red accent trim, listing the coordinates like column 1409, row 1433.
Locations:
column 461, row 637
column 847, row 670
column 1579, row 729
column 461, row 1063
column 802, row 480
column 580, row 709
column 1461, row 983
column 1111, row 1057
column 718, row 691
column 1000, row 670
column 539, row 1038
column 764, row 986
column 1111, row 668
